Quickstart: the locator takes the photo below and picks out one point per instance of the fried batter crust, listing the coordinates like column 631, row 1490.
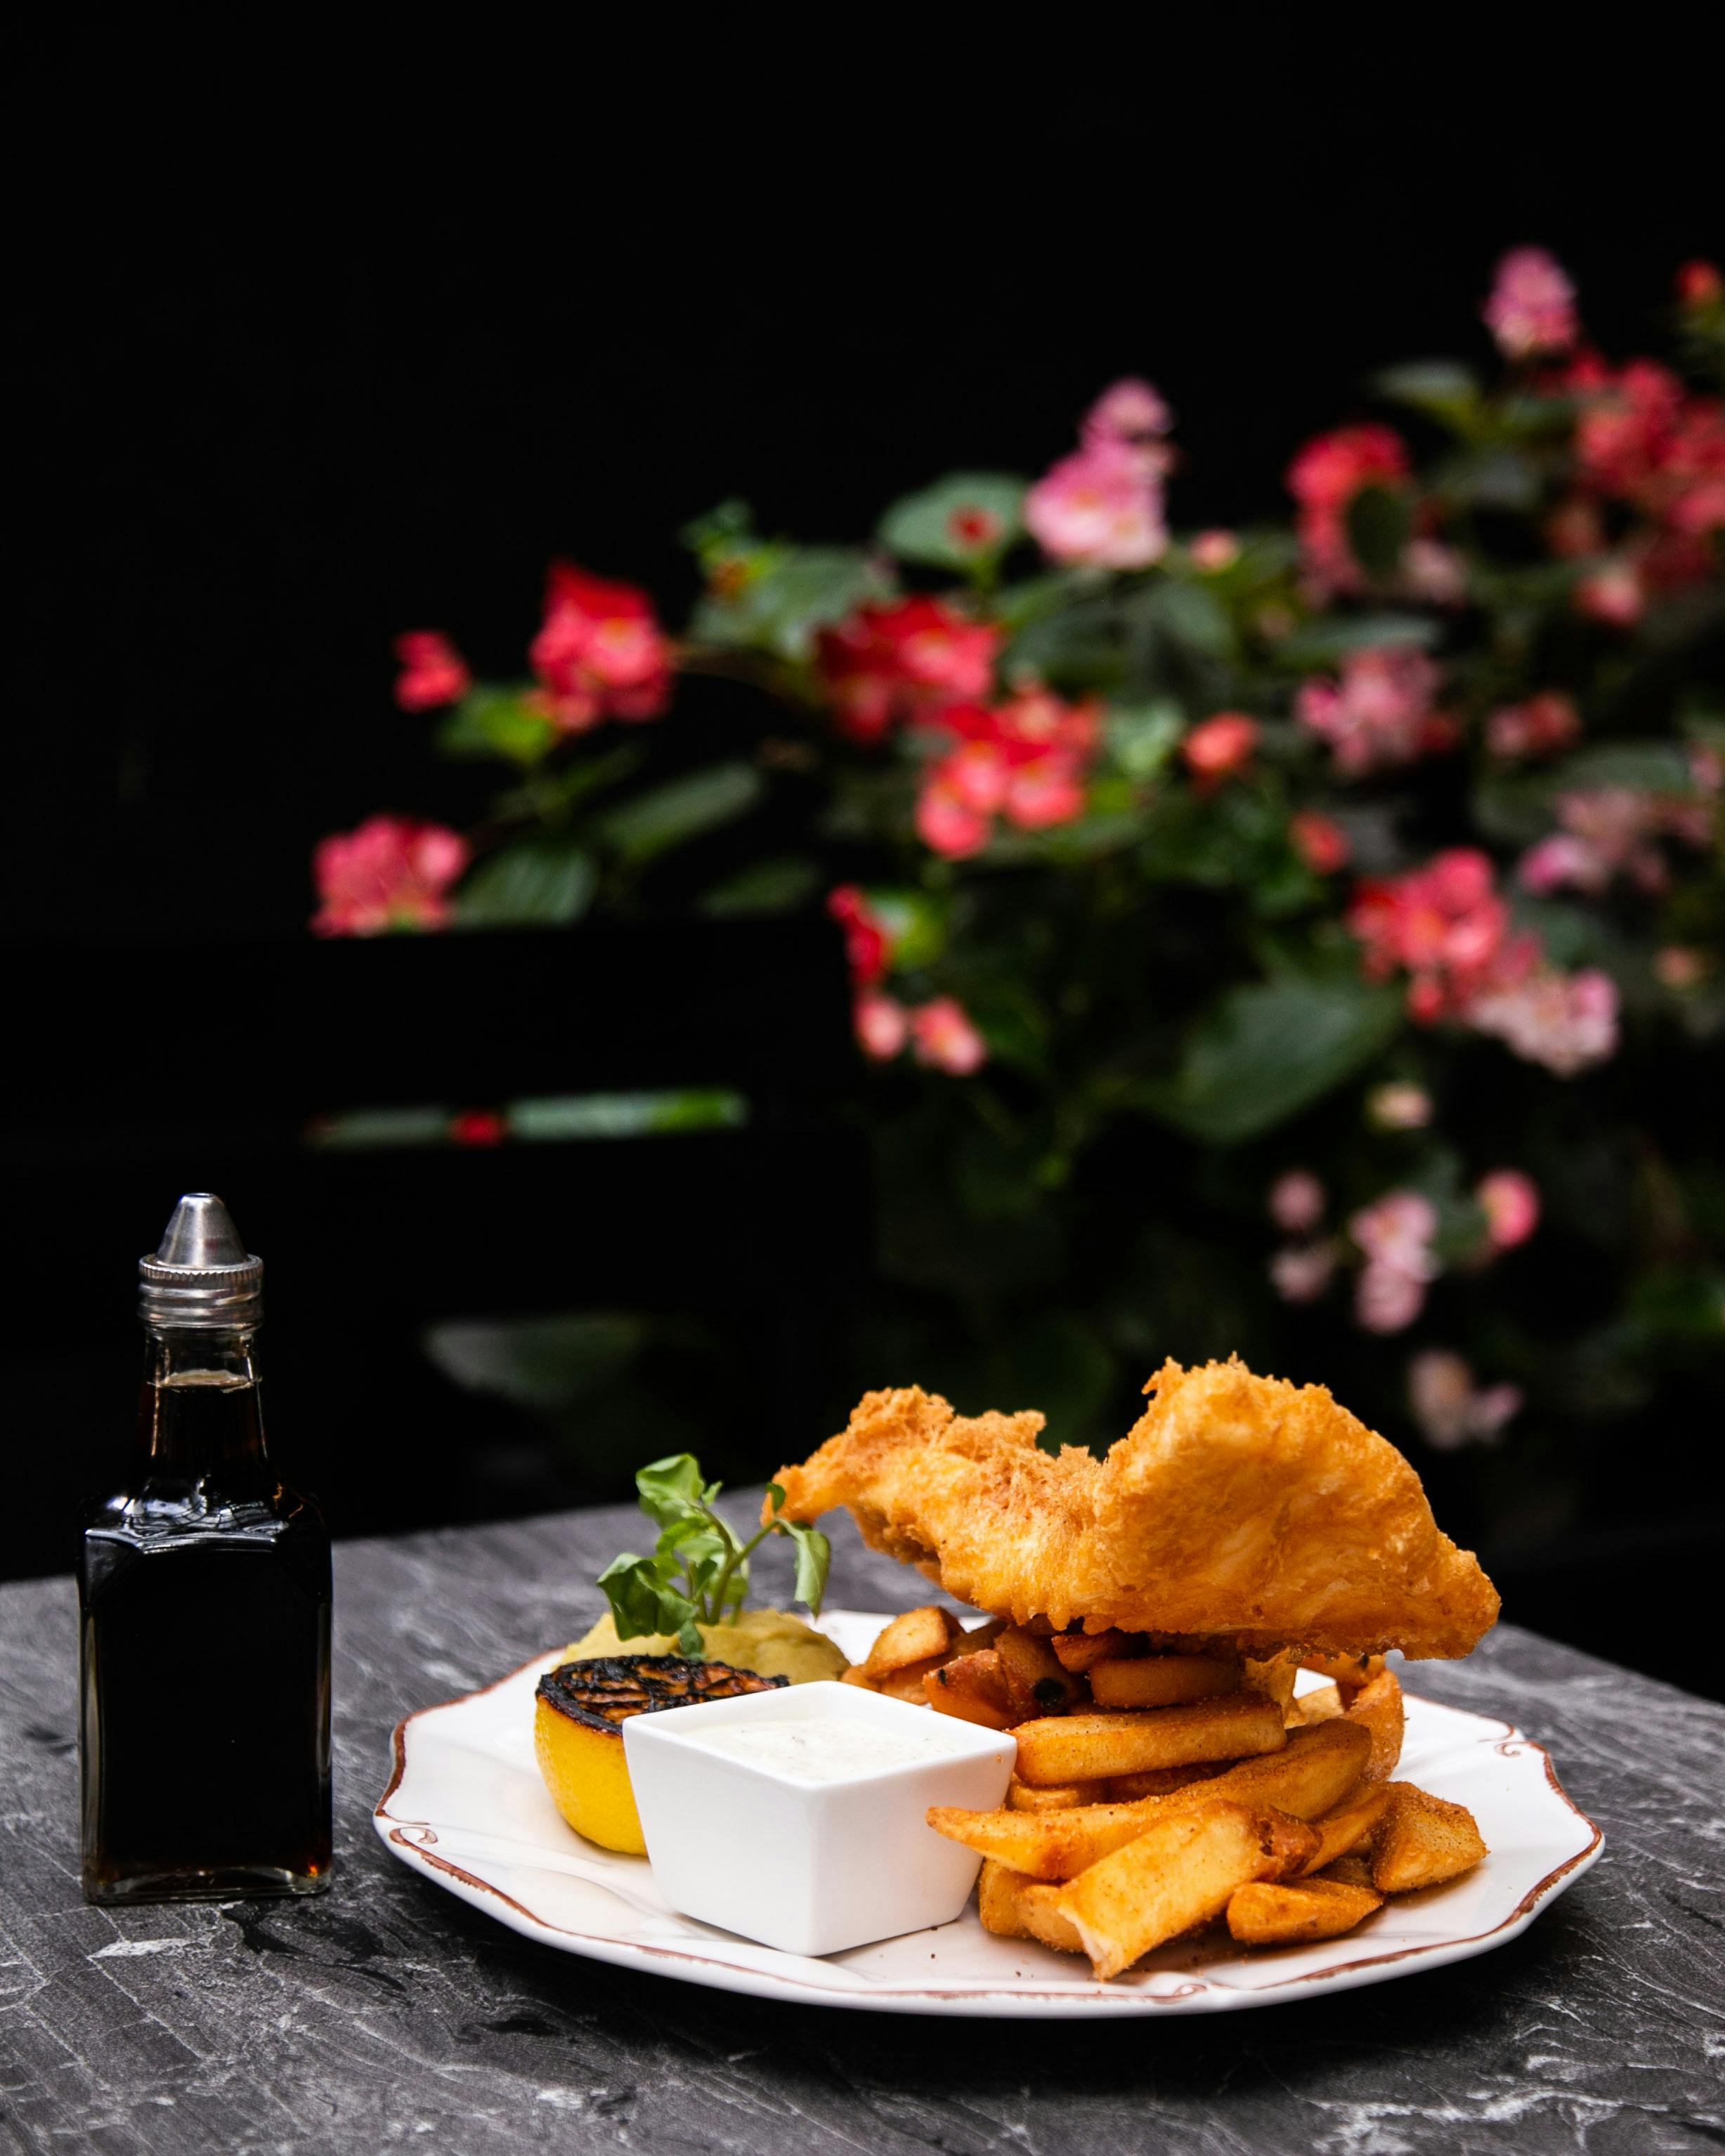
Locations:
column 1236, row 1505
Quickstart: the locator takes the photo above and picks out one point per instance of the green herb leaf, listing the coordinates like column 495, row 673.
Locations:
column 669, row 1488
column 641, row 1599
column 690, row 1640
column 815, row 1554
column 777, row 1496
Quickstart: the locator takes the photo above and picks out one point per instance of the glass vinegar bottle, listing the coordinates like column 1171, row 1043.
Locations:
column 204, row 1601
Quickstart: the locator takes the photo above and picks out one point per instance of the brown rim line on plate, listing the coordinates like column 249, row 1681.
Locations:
column 746, row 1967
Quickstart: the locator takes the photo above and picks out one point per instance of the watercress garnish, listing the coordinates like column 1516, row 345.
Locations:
column 699, row 1571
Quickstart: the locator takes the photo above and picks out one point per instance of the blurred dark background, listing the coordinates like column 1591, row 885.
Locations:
column 277, row 401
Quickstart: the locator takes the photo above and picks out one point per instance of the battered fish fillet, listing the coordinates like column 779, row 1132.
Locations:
column 1236, row 1505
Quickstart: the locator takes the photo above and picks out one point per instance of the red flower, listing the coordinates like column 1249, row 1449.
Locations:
column 599, row 653
column 883, row 1026
column 391, row 873
column 1543, row 725
column 478, row 1127
column 1643, row 439
column 1321, row 844
column 1324, row 478
column 899, row 659
column 866, row 940
column 1220, row 746
column 1699, row 285
column 1445, row 924
column 432, row 671
column 1024, row 759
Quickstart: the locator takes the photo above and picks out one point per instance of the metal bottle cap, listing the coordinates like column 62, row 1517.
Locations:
column 202, row 1275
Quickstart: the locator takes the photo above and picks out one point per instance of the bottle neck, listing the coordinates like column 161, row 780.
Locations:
column 200, row 1417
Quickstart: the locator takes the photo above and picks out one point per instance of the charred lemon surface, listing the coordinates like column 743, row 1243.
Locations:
column 579, row 1713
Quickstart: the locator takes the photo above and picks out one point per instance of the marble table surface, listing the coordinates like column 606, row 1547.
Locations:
column 386, row 2014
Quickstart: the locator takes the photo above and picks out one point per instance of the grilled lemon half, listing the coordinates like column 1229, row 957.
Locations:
column 579, row 1712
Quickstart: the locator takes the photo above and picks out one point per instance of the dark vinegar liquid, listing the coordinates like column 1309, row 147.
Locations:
column 206, row 1638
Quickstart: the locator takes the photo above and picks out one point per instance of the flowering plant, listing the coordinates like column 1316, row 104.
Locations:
column 1263, row 939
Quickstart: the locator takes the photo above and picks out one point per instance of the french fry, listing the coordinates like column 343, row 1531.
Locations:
column 1274, row 1677
column 1056, row 1844
column 918, row 1635
column 1344, row 1829
column 1351, row 1671
column 1077, row 1748
column 1062, row 1797
column 1179, row 1873
column 907, row 1684
column 1313, row 1772
column 1423, row 1841
column 1323, row 1703
column 981, row 1635
column 997, row 1901
column 1153, row 1781
column 1353, row 1869
column 1012, row 1907
column 1079, row 1652
column 857, row 1675
column 1308, row 1777
column 972, row 1688
column 1035, row 1682
column 1266, row 1913
column 1377, row 1707
column 1037, row 1907
column 1162, row 1680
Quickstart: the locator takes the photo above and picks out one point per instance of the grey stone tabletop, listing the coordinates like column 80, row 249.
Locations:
column 388, row 2013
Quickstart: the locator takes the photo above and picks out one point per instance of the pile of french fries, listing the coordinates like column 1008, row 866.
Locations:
column 1159, row 1787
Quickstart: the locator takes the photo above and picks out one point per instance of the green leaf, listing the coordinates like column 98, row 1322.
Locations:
column 963, row 519
column 491, row 721
column 1645, row 765
column 1378, row 523
column 1141, row 738
column 641, row 1600
column 1323, row 643
column 787, row 595
column 671, row 815
column 669, row 1489
column 1490, row 478
column 915, row 925
column 1443, row 388
column 775, row 1493
column 814, row 1553
column 774, row 886
column 690, row 1640
column 535, row 881
column 1263, row 1053
column 1193, row 617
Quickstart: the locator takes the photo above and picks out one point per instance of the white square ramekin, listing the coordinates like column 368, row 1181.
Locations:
column 809, row 1867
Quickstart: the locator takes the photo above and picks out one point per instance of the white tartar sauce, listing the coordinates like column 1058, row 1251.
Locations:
column 811, row 1749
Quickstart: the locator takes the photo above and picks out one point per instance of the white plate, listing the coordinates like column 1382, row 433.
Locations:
column 466, row 1806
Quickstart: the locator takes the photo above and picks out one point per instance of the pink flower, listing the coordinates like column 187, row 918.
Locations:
column 1321, row 844
column 946, row 1038
column 1380, row 713
column 901, row 660
column 391, row 873
column 1531, row 308
column 1612, row 830
column 1564, row 1021
column 1100, row 508
column 1540, row 727
column 947, row 825
column 1214, row 550
column 599, row 653
column 1395, row 1233
column 1324, row 478
column 1297, row 1201
column 867, row 945
column 432, row 671
column 1397, row 1230
column 1447, row 1407
column 1509, row 1202
column 1303, row 1271
column 1129, row 411
column 1399, row 1106
column 882, row 1025
column 1385, row 1299
column 1613, row 594
column 1218, row 746
column 1433, row 571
